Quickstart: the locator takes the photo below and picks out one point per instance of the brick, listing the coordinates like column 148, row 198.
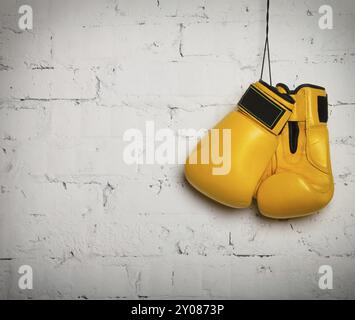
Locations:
column 48, row 85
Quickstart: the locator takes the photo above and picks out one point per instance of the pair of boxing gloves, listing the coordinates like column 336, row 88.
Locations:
column 278, row 152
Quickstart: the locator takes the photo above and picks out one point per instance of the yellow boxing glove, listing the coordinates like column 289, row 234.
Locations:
column 229, row 161
column 298, row 180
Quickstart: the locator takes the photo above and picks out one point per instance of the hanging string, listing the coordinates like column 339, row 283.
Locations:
column 266, row 46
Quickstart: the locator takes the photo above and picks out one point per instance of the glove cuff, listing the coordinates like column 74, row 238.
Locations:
column 267, row 106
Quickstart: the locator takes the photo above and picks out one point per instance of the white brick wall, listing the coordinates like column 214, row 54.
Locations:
column 93, row 227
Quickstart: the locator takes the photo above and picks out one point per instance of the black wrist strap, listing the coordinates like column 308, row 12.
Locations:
column 257, row 104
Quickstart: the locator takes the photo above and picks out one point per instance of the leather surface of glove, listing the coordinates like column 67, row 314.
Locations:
column 247, row 146
column 299, row 180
